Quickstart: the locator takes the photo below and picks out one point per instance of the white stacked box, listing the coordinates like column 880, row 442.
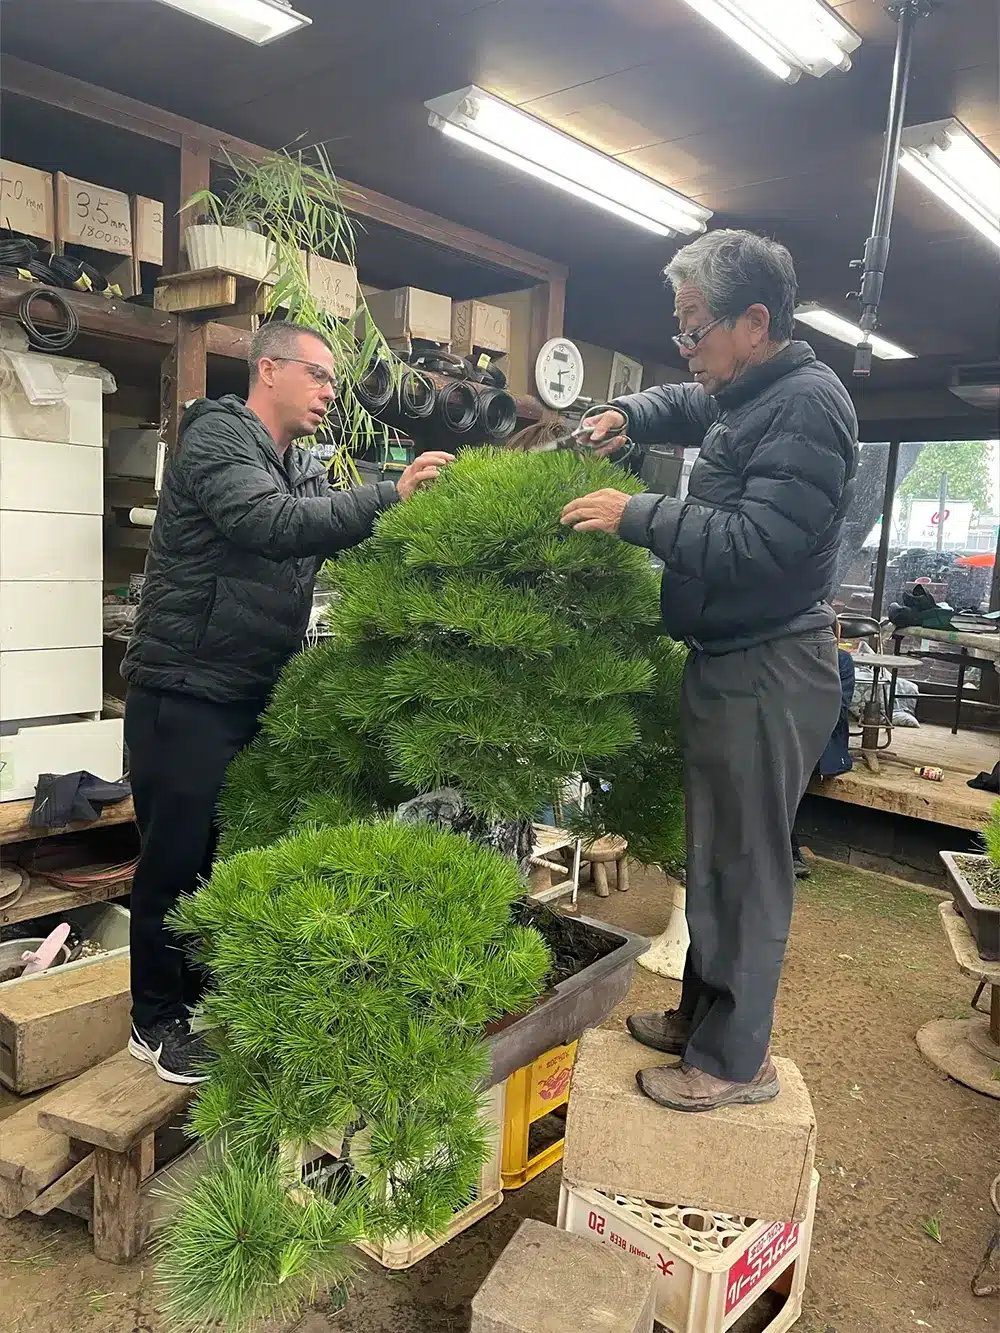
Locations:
column 51, row 568
column 711, row 1267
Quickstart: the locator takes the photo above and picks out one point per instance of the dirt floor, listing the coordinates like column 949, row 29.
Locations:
column 898, row 1145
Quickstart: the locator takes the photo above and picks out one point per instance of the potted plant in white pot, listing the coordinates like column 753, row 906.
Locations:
column 281, row 208
column 975, row 887
column 220, row 235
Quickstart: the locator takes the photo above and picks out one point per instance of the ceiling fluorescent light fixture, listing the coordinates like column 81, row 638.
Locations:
column 950, row 162
column 258, row 21
column 788, row 37
column 836, row 326
column 482, row 121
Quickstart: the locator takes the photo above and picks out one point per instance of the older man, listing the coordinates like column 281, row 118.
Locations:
column 749, row 558
column 245, row 519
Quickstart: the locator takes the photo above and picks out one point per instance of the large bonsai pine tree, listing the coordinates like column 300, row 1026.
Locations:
column 478, row 644
column 356, row 961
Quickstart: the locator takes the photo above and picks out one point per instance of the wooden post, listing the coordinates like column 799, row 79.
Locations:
column 183, row 375
column 118, row 1228
column 548, row 308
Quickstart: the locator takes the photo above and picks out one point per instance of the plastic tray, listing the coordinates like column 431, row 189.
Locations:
column 574, row 1005
column 983, row 921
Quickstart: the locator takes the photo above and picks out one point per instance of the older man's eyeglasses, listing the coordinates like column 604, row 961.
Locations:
column 687, row 342
column 317, row 373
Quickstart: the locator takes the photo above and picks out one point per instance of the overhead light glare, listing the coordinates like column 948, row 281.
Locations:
column 258, row 21
column 836, row 326
column 788, row 37
column 504, row 132
column 952, row 163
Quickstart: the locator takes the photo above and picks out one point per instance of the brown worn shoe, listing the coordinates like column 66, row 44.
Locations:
column 684, row 1088
column 667, row 1032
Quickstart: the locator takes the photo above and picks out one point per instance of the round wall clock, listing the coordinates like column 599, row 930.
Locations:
column 559, row 373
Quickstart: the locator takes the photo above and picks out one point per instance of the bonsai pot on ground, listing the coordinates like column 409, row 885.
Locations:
column 966, row 873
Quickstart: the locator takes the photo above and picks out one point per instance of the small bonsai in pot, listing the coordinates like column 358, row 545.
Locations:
column 354, row 971
column 975, row 881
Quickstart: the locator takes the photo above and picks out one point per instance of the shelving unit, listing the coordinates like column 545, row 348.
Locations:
column 163, row 358
column 186, row 344
column 42, row 898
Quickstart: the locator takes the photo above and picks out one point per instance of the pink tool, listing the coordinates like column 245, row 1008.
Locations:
column 42, row 957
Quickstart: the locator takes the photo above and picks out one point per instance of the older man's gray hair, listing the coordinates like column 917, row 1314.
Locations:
column 737, row 269
column 278, row 338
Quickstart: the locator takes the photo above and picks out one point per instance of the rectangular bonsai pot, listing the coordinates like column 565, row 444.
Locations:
column 580, row 1002
column 982, row 919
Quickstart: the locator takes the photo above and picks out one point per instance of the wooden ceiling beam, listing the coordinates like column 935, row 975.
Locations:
column 24, row 79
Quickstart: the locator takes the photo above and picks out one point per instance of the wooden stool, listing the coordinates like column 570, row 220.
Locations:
column 98, row 1126
column 598, row 855
column 967, row 1049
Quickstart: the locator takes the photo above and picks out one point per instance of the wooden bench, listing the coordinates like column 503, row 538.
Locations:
column 99, row 1128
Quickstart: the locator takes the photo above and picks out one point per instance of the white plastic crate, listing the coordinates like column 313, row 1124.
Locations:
column 78, row 419
column 58, row 747
column 404, row 1251
column 49, row 682
column 713, row 1267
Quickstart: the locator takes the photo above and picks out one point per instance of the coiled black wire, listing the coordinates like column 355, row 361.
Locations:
column 498, row 414
column 374, row 390
column 17, row 251
column 57, row 340
column 77, row 274
column 457, row 407
column 417, row 396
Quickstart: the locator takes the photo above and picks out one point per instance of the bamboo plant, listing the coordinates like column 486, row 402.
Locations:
column 293, row 198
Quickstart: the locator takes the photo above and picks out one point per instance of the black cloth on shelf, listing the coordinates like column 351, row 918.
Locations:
column 918, row 608
column 69, row 798
column 987, row 781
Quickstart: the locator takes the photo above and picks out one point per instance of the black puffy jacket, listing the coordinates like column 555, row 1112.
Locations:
column 239, row 537
column 751, row 553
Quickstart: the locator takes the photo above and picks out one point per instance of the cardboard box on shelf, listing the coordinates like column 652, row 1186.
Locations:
column 474, row 324
column 406, row 313
column 26, row 200
column 334, row 285
column 148, row 230
column 92, row 215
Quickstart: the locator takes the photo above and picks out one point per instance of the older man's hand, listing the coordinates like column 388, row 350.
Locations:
column 607, row 431
column 422, row 471
column 600, row 511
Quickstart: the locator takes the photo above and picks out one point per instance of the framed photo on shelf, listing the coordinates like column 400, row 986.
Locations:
column 626, row 376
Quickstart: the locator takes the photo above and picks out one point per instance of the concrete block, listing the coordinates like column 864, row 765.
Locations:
column 750, row 1161
column 548, row 1281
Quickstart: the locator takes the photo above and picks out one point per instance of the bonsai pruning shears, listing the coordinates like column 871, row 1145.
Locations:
column 579, row 442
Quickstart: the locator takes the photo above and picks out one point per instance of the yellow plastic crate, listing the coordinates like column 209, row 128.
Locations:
column 533, row 1093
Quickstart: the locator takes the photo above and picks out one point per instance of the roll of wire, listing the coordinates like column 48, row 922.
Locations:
column 457, row 407
column 17, row 251
column 497, row 415
column 77, row 275
column 374, row 390
column 417, row 396
column 56, row 341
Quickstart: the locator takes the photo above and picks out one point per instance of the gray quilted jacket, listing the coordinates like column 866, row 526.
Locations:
column 751, row 553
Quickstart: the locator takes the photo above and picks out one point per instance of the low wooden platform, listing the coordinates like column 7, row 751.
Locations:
column 14, row 826
column 897, row 789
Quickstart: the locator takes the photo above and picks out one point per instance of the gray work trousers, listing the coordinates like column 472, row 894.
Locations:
column 753, row 726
